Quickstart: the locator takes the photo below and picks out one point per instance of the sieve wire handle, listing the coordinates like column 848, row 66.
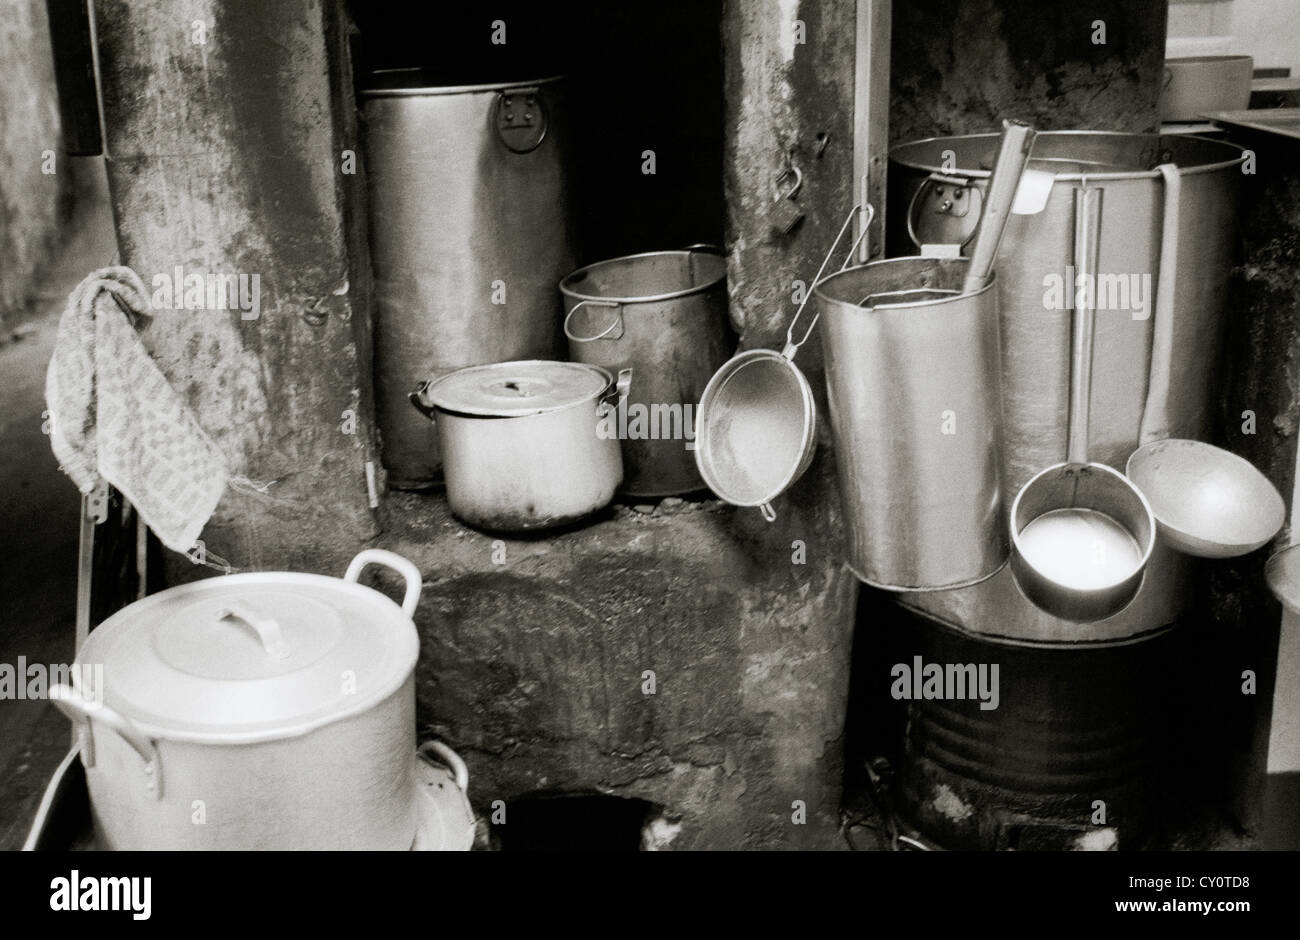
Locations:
column 791, row 347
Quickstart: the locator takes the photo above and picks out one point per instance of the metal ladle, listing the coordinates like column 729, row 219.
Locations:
column 1208, row 502
column 1077, row 483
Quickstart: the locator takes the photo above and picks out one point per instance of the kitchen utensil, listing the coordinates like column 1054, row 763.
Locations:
column 446, row 817
column 664, row 315
column 1208, row 502
column 1036, row 339
column 268, row 710
column 1036, row 324
column 470, row 229
column 1081, row 532
column 756, row 427
column 527, row 445
column 912, row 370
column 1282, row 574
column 1197, row 84
column 1157, row 418
column 1013, row 154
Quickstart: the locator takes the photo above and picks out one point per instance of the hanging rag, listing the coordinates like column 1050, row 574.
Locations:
column 115, row 417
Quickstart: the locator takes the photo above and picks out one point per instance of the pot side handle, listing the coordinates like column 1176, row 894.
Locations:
column 421, row 405
column 436, row 751
column 71, row 702
column 408, row 571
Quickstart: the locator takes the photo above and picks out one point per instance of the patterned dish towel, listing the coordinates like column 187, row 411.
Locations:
column 115, row 417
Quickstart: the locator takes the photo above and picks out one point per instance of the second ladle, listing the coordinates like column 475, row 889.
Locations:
column 1081, row 532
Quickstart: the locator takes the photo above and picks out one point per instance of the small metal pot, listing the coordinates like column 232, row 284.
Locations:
column 527, row 445
column 664, row 315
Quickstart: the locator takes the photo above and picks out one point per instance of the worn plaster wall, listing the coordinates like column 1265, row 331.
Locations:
column 682, row 654
column 960, row 66
column 1260, row 420
column 32, row 200
column 228, row 123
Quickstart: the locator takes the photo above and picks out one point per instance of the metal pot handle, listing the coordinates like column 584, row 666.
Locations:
column 83, row 712
column 617, row 393
column 970, row 184
column 408, row 571
column 267, row 628
column 436, row 752
column 617, row 324
column 417, row 400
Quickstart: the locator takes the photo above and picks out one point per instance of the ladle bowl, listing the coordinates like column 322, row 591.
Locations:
column 1207, row 501
column 1093, row 591
column 1282, row 574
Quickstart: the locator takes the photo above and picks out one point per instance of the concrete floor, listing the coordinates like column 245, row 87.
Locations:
column 39, row 513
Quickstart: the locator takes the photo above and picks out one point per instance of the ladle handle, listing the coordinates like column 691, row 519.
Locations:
column 1087, row 241
column 1013, row 154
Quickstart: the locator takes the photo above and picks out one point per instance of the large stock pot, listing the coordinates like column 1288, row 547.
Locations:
column 936, row 189
column 269, row 710
column 469, row 233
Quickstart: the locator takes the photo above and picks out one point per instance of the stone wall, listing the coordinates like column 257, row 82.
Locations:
column 960, row 66
column 31, row 199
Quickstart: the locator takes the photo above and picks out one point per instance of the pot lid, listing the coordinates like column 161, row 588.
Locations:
column 515, row 389
column 249, row 657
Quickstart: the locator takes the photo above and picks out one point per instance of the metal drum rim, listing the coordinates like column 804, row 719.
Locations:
column 1072, row 177
column 437, row 90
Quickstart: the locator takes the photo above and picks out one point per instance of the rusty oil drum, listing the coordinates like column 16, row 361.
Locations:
column 1071, row 758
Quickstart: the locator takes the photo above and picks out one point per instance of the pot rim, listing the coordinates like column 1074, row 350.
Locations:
column 1070, row 177
column 703, row 453
column 954, row 297
column 350, row 706
column 438, row 90
column 610, row 382
column 567, row 290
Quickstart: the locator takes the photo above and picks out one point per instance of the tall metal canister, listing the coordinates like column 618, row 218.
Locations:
column 935, row 192
column 912, row 379
column 469, row 233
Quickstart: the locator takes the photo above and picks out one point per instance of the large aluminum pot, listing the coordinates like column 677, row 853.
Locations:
column 912, row 376
column 469, row 232
column 268, row 710
column 527, row 445
column 1035, row 334
column 664, row 315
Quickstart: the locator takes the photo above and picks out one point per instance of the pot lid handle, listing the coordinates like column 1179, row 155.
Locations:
column 267, row 628
column 408, row 571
